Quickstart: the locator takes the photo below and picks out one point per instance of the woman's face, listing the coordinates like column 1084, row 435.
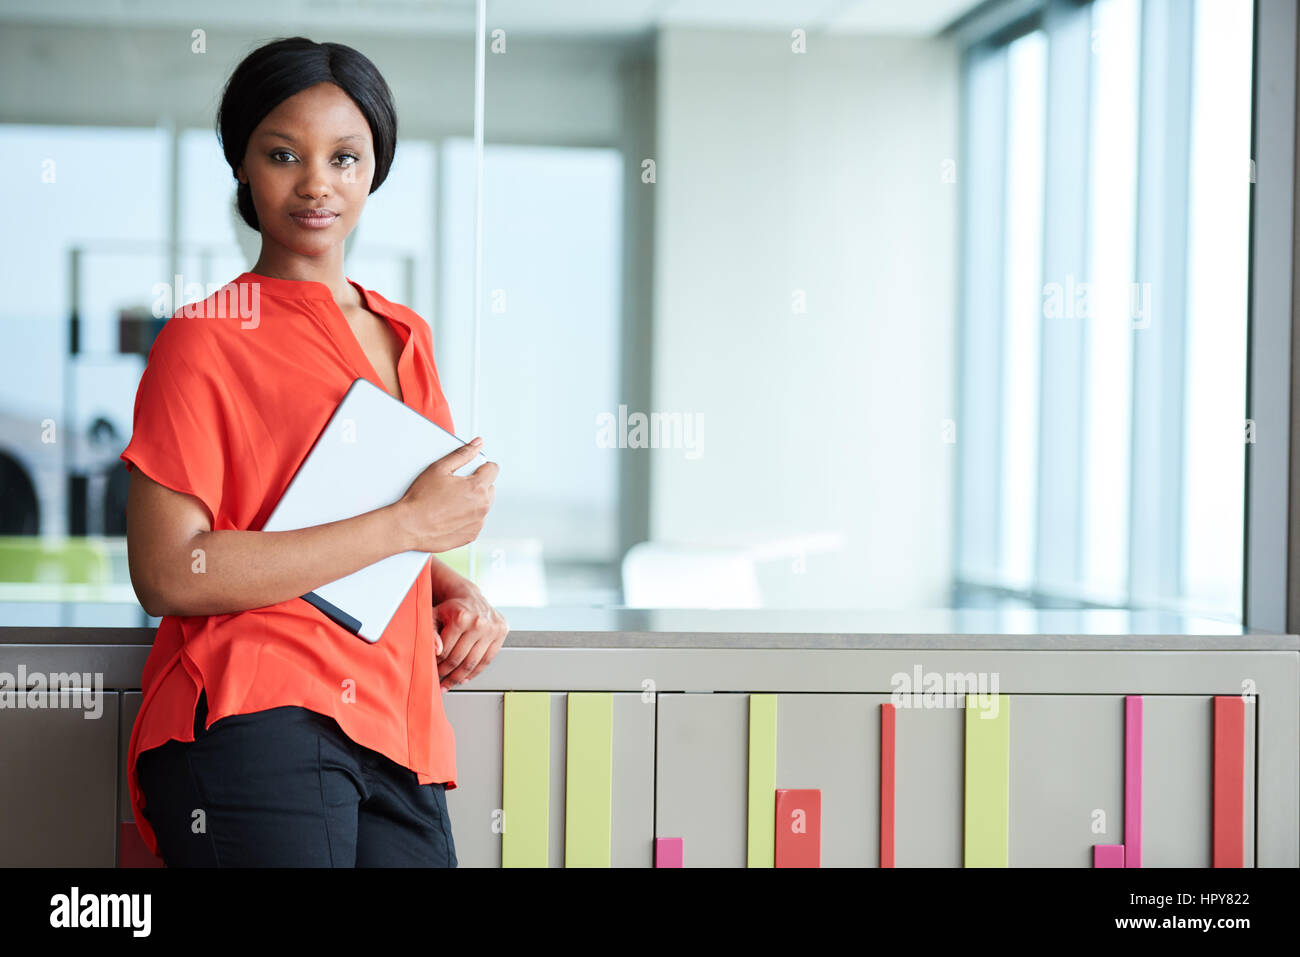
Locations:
column 312, row 152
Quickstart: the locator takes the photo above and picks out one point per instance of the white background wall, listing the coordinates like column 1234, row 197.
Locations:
column 818, row 172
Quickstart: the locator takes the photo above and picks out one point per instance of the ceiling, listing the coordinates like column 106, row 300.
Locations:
column 606, row 18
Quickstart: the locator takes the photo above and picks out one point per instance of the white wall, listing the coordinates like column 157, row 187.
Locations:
column 819, row 172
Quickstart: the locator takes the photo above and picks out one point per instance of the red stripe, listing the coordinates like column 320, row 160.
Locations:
column 1229, row 780
column 798, row 827
column 887, row 715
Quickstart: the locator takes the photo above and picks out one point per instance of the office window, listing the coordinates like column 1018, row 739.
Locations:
column 1103, row 372
column 1108, row 337
column 1218, row 233
column 1026, row 132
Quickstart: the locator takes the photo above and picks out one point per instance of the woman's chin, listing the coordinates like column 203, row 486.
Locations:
column 311, row 246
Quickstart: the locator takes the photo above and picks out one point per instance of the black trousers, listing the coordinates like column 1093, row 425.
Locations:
column 286, row 787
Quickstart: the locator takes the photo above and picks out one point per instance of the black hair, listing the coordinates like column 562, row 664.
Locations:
column 276, row 71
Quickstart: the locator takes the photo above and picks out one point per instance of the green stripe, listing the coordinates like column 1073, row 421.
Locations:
column 588, row 786
column 525, row 779
column 988, row 781
column 762, row 780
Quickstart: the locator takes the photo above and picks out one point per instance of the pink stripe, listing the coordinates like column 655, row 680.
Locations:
column 1133, row 781
column 668, row 852
column 1108, row 855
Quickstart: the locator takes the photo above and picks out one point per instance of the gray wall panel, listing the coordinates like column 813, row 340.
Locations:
column 478, row 718
column 1177, row 781
column 555, row 812
column 1067, row 760
column 832, row 742
column 58, row 786
column 130, row 707
column 632, row 817
column 701, row 784
column 930, row 757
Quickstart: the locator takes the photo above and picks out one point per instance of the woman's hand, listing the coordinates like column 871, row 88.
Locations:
column 441, row 510
column 471, row 632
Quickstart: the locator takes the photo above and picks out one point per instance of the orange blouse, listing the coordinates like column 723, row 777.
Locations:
column 236, row 389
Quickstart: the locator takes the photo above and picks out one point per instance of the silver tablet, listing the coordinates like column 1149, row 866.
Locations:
column 367, row 456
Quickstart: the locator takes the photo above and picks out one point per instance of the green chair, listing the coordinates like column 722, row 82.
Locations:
column 70, row 561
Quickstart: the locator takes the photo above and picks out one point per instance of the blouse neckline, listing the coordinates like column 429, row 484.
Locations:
column 337, row 326
column 295, row 288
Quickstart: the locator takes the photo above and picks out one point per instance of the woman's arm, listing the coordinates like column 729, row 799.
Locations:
column 179, row 566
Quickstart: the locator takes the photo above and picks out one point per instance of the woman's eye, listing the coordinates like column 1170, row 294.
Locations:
column 342, row 156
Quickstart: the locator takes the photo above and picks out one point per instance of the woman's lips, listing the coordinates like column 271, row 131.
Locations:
column 314, row 220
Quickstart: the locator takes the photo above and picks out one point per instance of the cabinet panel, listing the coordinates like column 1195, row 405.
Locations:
column 930, row 786
column 832, row 742
column 131, row 701
column 58, row 792
column 826, row 741
column 474, row 804
column 1177, row 781
column 1067, row 757
column 479, row 722
column 1067, row 760
column 633, row 822
column 701, row 780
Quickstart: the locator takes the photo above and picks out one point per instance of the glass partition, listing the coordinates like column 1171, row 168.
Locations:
column 882, row 311
column 122, row 209
column 905, row 317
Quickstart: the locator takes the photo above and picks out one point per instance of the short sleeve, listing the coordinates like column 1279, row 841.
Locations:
column 178, row 425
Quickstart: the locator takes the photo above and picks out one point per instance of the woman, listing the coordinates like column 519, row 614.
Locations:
column 268, row 734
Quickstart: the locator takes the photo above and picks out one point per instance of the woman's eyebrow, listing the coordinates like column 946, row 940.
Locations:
column 286, row 136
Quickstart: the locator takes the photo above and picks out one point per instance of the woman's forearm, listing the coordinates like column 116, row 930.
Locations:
column 223, row 572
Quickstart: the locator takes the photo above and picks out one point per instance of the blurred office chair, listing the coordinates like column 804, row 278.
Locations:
column 663, row 575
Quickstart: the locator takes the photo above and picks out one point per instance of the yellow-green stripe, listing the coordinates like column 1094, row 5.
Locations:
column 525, row 779
column 589, row 779
column 762, row 780
column 988, row 781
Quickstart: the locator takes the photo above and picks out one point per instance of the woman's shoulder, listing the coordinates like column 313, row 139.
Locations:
column 234, row 314
column 182, row 337
column 199, row 338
